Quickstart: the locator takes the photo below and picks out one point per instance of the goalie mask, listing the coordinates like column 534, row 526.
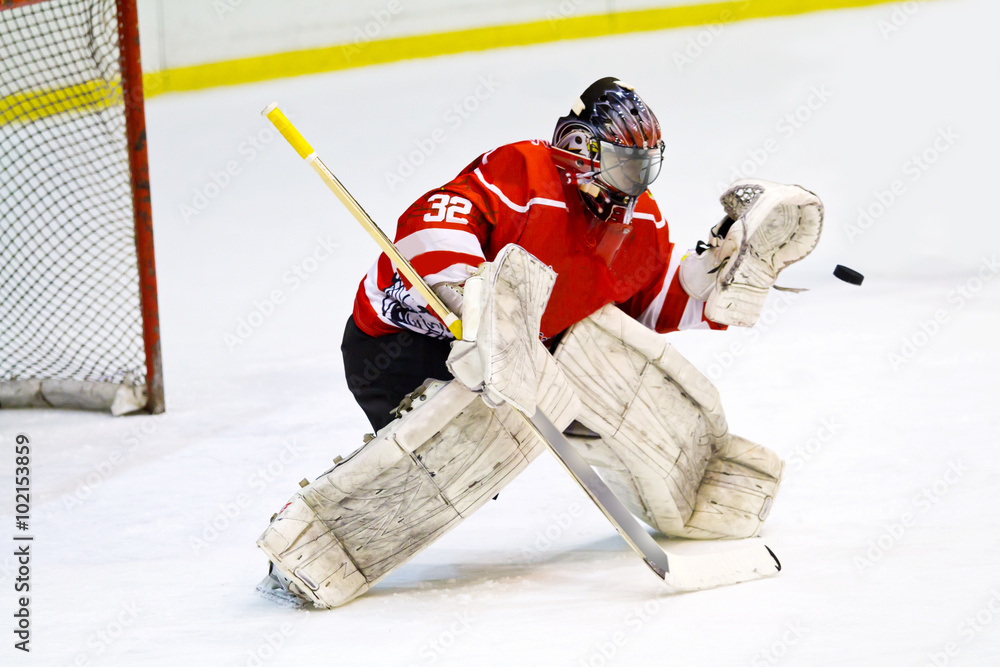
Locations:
column 610, row 146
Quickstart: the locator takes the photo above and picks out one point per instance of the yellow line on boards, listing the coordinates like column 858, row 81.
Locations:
column 94, row 95
column 36, row 104
column 361, row 54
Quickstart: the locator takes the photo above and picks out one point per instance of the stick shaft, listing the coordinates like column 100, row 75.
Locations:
column 602, row 496
column 305, row 151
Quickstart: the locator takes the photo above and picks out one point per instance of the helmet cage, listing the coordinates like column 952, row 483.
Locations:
column 627, row 169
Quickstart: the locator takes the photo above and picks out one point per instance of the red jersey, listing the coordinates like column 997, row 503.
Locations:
column 515, row 194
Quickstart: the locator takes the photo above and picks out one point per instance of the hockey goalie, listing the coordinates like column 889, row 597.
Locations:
column 561, row 266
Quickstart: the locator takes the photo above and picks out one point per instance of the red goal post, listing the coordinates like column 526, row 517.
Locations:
column 79, row 323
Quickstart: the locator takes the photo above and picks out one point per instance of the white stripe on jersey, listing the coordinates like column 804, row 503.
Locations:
column 439, row 240
column 456, row 273
column 651, row 315
column 374, row 294
column 649, row 216
column 692, row 319
column 541, row 201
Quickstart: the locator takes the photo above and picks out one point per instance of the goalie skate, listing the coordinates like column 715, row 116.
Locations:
column 279, row 588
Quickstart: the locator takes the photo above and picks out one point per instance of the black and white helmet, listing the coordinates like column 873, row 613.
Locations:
column 610, row 145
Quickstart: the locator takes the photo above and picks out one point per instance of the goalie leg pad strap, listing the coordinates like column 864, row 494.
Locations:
column 418, row 478
column 401, row 491
column 661, row 438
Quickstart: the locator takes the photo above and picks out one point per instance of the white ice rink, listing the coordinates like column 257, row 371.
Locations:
column 882, row 399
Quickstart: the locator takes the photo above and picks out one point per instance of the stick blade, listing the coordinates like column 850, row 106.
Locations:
column 697, row 571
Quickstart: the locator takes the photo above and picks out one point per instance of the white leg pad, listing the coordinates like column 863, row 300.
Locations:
column 664, row 446
column 737, row 491
column 417, row 479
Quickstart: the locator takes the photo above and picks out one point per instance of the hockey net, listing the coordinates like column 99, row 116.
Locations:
column 78, row 316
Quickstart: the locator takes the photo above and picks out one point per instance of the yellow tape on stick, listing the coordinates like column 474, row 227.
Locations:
column 288, row 131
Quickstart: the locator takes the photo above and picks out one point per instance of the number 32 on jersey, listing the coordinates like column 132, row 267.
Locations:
column 448, row 208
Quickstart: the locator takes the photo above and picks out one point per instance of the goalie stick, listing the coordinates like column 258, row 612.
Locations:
column 682, row 572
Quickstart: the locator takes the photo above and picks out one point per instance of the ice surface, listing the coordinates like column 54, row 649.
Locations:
column 539, row 577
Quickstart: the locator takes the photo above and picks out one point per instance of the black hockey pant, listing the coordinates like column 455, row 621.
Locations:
column 382, row 370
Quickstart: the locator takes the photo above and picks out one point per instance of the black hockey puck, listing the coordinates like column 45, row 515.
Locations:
column 848, row 275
